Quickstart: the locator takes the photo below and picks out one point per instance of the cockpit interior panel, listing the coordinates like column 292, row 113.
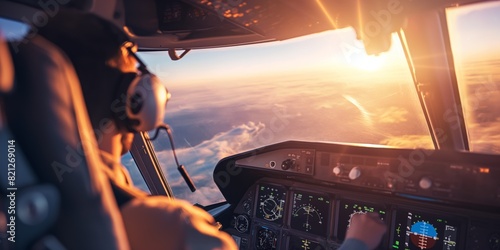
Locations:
column 424, row 197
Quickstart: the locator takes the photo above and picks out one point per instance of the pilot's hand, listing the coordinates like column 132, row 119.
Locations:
column 367, row 228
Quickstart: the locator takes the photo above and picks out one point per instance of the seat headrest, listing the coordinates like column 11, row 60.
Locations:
column 47, row 116
column 6, row 68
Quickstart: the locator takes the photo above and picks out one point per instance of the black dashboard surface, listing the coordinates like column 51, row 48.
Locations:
column 300, row 195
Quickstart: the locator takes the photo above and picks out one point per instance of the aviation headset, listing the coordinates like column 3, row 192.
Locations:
column 137, row 100
column 144, row 98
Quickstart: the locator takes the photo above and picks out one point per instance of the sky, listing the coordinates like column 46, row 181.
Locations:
column 475, row 31
column 326, row 51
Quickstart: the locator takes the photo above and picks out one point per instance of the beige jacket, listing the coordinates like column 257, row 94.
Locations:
column 158, row 222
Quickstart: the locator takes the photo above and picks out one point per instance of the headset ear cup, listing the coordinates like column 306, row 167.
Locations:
column 146, row 101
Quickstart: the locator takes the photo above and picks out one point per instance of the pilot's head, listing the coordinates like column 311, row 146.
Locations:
column 120, row 98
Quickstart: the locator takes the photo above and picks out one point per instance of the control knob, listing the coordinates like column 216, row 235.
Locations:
column 355, row 173
column 287, row 164
column 425, row 183
column 337, row 170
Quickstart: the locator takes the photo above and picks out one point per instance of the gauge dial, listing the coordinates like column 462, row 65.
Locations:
column 423, row 235
column 271, row 203
column 310, row 213
column 241, row 223
column 272, row 208
column 310, row 216
column 421, row 231
column 266, row 239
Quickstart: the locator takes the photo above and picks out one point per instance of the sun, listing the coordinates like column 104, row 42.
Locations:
column 354, row 57
column 365, row 62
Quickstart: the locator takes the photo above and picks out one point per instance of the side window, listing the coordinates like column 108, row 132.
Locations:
column 137, row 179
column 475, row 42
column 13, row 30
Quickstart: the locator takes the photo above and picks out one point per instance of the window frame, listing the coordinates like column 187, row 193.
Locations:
column 143, row 154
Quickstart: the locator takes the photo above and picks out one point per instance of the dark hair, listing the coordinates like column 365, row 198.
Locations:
column 84, row 35
column 90, row 42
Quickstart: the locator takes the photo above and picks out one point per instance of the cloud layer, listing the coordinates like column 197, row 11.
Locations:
column 213, row 121
column 200, row 160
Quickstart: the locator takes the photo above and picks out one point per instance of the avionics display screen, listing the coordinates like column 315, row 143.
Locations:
column 310, row 213
column 271, row 203
column 301, row 243
column 420, row 231
column 267, row 239
column 348, row 208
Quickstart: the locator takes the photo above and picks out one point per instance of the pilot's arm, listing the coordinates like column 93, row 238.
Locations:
column 365, row 232
column 163, row 224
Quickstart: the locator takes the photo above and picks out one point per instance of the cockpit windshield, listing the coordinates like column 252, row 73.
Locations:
column 322, row 87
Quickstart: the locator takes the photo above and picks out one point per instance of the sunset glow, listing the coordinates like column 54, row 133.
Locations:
column 335, row 54
column 369, row 63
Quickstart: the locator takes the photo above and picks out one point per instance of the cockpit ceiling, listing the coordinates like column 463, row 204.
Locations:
column 259, row 20
column 205, row 18
column 215, row 23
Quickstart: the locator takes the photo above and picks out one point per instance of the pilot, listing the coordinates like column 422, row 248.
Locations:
column 102, row 57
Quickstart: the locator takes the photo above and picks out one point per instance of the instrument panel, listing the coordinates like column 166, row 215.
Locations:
column 308, row 204
column 290, row 215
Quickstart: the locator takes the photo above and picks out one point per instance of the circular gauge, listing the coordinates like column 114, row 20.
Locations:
column 271, row 203
column 310, row 216
column 271, row 208
column 266, row 239
column 310, row 213
column 241, row 223
column 423, row 235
